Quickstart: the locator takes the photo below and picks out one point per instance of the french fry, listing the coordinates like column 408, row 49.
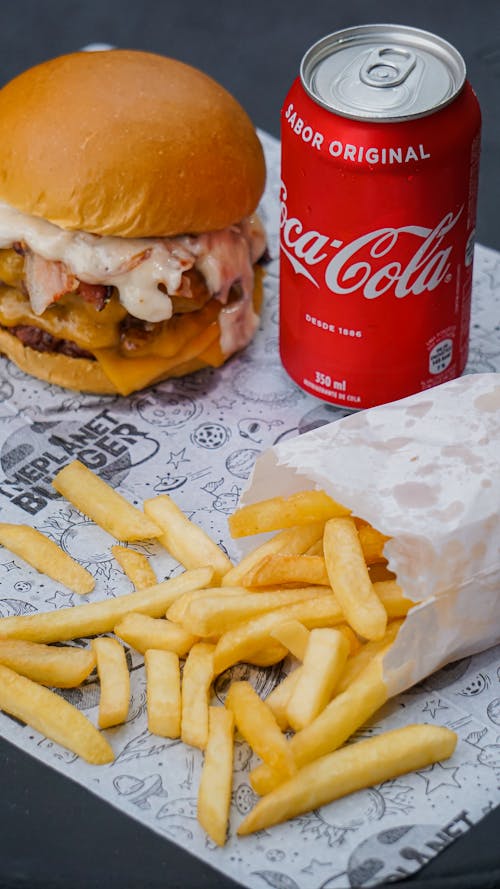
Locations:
column 356, row 766
column 297, row 638
column 243, row 640
column 211, row 614
column 269, row 654
column 294, row 636
column 293, row 541
column 59, row 667
column 136, row 566
column 284, row 512
column 52, row 716
column 286, row 568
column 163, row 693
column 101, row 617
column 184, row 540
column 105, row 506
column 338, row 721
column 393, row 599
column 372, row 543
column 214, row 794
column 354, row 643
column 316, row 549
column 277, row 700
column 350, row 579
column 324, row 660
column 178, row 608
column 256, row 722
column 380, row 571
column 196, row 681
column 114, row 679
column 365, row 655
column 143, row 632
column 46, row 556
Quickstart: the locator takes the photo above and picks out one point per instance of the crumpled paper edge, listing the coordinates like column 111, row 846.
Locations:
column 439, row 630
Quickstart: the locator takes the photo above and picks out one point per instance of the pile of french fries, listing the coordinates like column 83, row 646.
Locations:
column 318, row 591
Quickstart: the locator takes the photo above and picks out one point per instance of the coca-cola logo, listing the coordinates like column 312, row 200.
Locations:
column 370, row 263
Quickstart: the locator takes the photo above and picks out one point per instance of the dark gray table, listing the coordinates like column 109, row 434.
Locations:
column 55, row 833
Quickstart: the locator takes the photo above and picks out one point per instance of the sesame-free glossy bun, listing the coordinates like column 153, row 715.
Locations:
column 72, row 373
column 127, row 143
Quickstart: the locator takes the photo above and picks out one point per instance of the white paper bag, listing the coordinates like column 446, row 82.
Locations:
column 425, row 471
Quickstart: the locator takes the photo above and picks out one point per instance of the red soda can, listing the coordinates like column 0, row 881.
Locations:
column 380, row 160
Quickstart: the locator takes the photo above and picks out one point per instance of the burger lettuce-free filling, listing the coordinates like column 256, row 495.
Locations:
column 110, row 298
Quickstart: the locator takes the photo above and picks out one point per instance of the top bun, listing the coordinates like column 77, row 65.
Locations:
column 127, row 143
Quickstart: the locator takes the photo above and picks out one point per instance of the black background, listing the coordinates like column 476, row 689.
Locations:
column 55, row 833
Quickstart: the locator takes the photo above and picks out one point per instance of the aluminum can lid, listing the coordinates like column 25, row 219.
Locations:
column 382, row 72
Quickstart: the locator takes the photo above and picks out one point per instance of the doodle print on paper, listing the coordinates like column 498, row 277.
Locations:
column 240, row 463
column 493, row 711
column 439, row 775
column 275, row 855
column 140, row 791
column 489, row 754
column 276, row 879
column 475, row 686
column 242, row 756
column 262, row 679
column 257, row 430
column 244, row 798
column 168, row 482
column 433, row 706
column 265, row 384
column 61, row 599
column 143, row 746
column 23, row 586
column 223, row 501
column 178, row 820
column 56, row 751
column 211, row 436
column 15, row 607
column 163, row 408
column 10, row 566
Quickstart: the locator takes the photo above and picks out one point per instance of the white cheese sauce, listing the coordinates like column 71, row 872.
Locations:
column 136, row 266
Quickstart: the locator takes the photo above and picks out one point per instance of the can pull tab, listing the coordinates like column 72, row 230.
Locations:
column 387, row 66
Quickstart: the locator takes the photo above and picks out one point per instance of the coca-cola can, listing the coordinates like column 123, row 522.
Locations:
column 380, row 159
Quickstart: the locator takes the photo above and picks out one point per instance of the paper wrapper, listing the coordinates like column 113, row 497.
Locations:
column 426, row 472
column 197, row 439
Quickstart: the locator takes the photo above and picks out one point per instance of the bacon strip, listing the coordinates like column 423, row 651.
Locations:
column 46, row 281
column 95, row 294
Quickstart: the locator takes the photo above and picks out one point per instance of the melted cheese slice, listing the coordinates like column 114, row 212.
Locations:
column 179, row 331
column 70, row 319
column 131, row 374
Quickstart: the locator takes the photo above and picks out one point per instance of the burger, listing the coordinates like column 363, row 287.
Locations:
column 129, row 244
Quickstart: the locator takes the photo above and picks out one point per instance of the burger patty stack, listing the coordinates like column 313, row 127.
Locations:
column 129, row 244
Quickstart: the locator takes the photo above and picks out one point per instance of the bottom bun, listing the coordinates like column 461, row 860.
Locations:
column 84, row 375
column 72, row 373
